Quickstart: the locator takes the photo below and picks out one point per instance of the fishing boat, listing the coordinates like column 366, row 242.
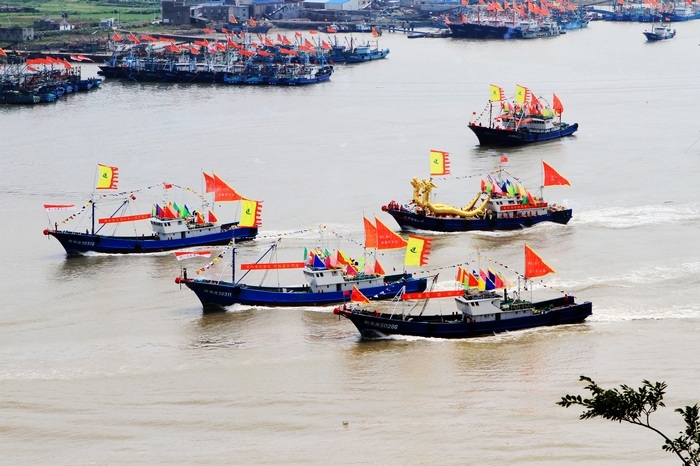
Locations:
column 512, row 24
column 326, row 285
column 527, row 119
column 170, row 227
column 685, row 11
column 480, row 312
column 501, row 204
column 660, row 32
column 365, row 52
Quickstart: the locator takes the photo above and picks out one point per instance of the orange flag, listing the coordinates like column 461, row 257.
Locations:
column 534, row 265
column 370, row 234
column 224, row 192
column 552, row 177
column 357, row 297
column 252, row 22
column 117, row 38
column 556, row 105
column 387, row 239
column 212, row 217
column 2, row 52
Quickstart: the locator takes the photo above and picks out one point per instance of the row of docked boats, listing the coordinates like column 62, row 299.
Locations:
column 516, row 21
column 41, row 80
column 240, row 61
column 650, row 11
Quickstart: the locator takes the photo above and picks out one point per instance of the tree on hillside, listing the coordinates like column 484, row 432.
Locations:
column 635, row 406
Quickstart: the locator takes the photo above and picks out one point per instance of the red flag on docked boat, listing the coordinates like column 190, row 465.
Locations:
column 325, row 45
column 504, row 158
column 232, row 20
column 252, row 22
column 312, row 31
column 432, row 294
column 387, row 239
column 224, row 30
column 209, row 31
column 552, row 177
column 297, row 34
column 357, row 297
column 268, row 42
column 212, row 217
column 117, row 37
column 534, row 265
column 134, row 39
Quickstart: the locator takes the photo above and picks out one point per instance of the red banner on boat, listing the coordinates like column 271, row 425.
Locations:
column 432, row 294
column 126, row 218
column 181, row 255
column 58, row 206
column 273, row 265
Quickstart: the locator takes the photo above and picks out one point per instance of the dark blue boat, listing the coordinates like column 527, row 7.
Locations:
column 489, row 210
column 177, row 235
column 523, row 134
column 479, row 314
column 326, row 286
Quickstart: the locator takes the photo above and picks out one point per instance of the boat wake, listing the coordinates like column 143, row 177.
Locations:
column 631, row 217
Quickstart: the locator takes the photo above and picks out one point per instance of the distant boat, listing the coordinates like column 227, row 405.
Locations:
column 326, row 285
column 660, row 32
column 501, row 204
column 682, row 12
column 173, row 227
column 480, row 310
column 365, row 52
column 526, row 119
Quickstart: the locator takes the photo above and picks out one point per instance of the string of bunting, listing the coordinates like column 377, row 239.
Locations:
column 131, row 193
column 443, row 178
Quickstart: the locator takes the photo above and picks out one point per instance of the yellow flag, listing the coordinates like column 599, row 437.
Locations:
column 249, row 213
column 520, row 94
column 439, row 162
column 496, row 93
column 107, row 177
column 417, row 250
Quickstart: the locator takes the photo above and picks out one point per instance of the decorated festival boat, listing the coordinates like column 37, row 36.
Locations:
column 330, row 280
column 501, row 204
column 171, row 226
column 522, row 120
column 481, row 311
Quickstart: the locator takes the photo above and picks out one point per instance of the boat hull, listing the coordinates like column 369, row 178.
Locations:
column 78, row 243
column 216, row 295
column 504, row 137
column 652, row 37
column 410, row 220
column 373, row 325
column 484, row 31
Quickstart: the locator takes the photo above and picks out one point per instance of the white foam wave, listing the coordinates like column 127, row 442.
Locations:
column 630, row 217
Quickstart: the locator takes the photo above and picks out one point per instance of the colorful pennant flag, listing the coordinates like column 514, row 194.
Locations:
column 370, row 234
column 387, row 239
column 439, row 162
column 250, row 213
column 108, row 177
column 534, row 265
column 552, row 177
column 417, row 251
column 497, row 93
column 357, row 297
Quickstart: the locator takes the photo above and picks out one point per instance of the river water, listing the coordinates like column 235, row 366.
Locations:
column 106, row 360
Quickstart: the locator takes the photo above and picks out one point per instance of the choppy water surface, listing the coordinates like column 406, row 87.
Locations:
column 106, row 360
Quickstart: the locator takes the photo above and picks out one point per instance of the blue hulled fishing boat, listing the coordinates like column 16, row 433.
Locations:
column 479, row 312
column 170, row 227
column 527, row 119
column 326, row 285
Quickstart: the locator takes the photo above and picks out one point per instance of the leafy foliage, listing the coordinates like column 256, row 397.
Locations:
column 635, row 407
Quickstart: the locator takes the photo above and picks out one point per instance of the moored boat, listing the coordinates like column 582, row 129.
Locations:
column 526, row 119
column 171, row 226
column 501, row 204
column 480, row 312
